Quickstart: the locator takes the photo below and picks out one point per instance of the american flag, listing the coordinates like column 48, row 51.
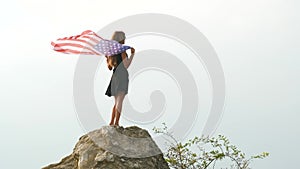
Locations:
column 88, row 43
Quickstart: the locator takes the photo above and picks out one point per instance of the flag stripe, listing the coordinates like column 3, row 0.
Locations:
column 67, row 45
column 77, row 44
column 70, row 51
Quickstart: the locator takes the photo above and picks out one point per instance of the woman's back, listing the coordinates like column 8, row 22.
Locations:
column 119, row 60
column 120, row 78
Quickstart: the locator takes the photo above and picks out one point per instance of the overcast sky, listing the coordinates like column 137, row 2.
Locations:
column 257, row 43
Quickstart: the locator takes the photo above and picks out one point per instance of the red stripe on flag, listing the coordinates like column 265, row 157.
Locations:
column 70, row 51
column 83, row 41
column 91, row 38
column 63, row 47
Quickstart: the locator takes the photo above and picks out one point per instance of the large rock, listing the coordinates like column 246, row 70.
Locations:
column 114, row 148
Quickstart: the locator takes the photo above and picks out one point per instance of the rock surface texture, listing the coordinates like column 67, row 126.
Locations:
column 114, row 148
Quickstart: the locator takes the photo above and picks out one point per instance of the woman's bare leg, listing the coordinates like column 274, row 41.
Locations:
column 119, row 104
column 113, row 114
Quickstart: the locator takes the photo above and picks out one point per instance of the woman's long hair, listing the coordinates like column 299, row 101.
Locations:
column 112, row 60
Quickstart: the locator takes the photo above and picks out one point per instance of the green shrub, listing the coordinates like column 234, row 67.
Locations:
column 207, row 152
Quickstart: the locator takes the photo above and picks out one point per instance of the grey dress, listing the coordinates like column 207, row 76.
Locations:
column 119, row 79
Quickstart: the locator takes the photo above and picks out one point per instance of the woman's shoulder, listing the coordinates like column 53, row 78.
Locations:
column 124, row 55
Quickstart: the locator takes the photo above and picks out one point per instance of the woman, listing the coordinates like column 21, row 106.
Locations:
column 118, row 85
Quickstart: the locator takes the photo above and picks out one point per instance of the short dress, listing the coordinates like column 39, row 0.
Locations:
column 119, row 79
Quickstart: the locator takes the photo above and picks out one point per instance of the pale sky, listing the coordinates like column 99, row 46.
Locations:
column 257, row 43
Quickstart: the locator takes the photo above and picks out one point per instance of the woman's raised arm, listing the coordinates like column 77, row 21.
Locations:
column 125, row 59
